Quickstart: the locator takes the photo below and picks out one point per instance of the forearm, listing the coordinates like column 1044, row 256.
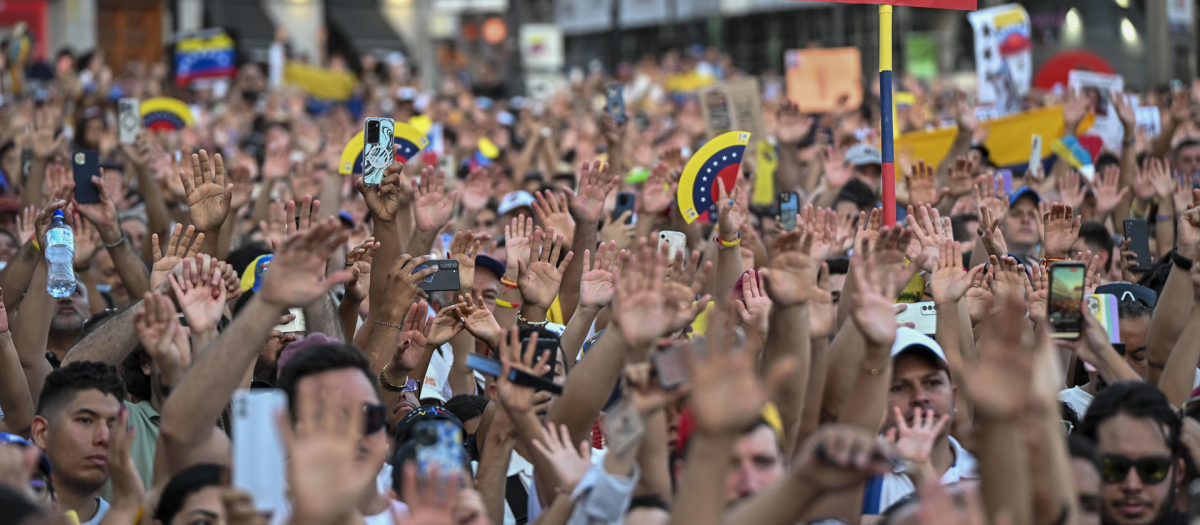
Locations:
column 322, row 317
column 1180, row 371
column 17, row 275
column 1004, row 468
column 788, row 336
column 966, row 335
column 1164, row 230
column 845, row 354
column 130, row 266
column 462, row 379
column 33, row 185
column 261, row 211
column 157, row 217
column 948, row 333
column 961, row 145
column 529, row 428
column 568, row 292
column 1162, row 143
column 1127, row 179
column 654, row 457
column 30, row 332
column 558, row 513
column 781, row 503
column 868, row 401
column 225, row 235
column 789, row 176
column 96, row 303
column 1051, row 473
column 385, row 338
column 1170, row 316
column 110, row 342
column 575, row 333
column 15, row 398
column 493, row 470
column 389, row 249
column 700, row 500
column 810, row 415
column 348, row 315
column 729, row 270
column 589, row 386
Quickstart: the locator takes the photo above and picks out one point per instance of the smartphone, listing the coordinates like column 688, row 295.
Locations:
column 85, row 164
column 614, row 96
column 1104, row 307
column 1035, row 155
column 622, row 426
column 677, row 242
column 1006, row 177
column 1139, row 236
column 445, row 279
column 625, row 202
column 295, row 325
column 129, row 120
column 440, row 444
column 379, row 148
column 491, row 367
column 258, row 456
column 1065, row 307
column 789, row 207
column 923, row 316
column 670, row 367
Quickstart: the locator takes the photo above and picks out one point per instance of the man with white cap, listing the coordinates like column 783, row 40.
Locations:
column 920, row 381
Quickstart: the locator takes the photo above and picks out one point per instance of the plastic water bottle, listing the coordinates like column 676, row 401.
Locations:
column 60, row 258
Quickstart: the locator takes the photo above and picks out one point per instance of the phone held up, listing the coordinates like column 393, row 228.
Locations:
column 439, row 443
column 379, row 148
column 1065, row 307
column 129, row 120
column 789, row 207
column 676, row 243
column 445, row 279
column 614, row 97
column 258, row 454
column 1139, row 241
column 625, row 202
column 85, row 165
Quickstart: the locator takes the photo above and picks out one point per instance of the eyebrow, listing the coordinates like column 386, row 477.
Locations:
column 204, row 512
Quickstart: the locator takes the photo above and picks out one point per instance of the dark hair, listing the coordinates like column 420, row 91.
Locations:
column 1068, row 413
column 858, row 193
column 1132, row 309
column 1189, row 143
column 62, row 384
column 315, row 359
column 1096, row 236
column 466, row 406
column 647, row 501
column 137, row 383
column 1106, row 159
column 185, row 483
column 958, row 225
column 1082, row 448
column 839, row 266
column 1134, row 398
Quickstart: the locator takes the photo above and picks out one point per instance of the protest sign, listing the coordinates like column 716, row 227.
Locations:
column 821, row 80
column 1002, row 56
column 733, row 105
column 1096, row 88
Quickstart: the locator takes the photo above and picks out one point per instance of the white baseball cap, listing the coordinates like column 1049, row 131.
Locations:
column 909, row 340
column 514, row 200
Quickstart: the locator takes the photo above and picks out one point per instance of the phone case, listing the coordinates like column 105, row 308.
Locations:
column 440, row 444
column 1104, row 307
column 670, row 367
column 922, row 315
column 445, row 279
column 677, row 242
column 615, row 97
column 129, row 120
column 296, row 325
column 258, row 456
column 625, row 202
column 85, row 164
column 380, row 154
column 1138, row 232
column 789, row 203
column 622, row 426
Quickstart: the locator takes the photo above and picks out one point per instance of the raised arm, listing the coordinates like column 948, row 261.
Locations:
column 1177, row 377
column 15, row 398
column 208, row 198
column 388, row 200
column 875, row 319
column 358, row 261
column 732, row 210
column 432, row 208
column 790, row 276
column 587, row 207
column 157, row 218
column 1173, row 307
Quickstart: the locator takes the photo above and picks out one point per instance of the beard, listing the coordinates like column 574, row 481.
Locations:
column 1163, row 511
column 265, row 369
column 66, row 324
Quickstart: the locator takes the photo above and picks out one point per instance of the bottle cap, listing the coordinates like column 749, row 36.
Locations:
column 58, row 213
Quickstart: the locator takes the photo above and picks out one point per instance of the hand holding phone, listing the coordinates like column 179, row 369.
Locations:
column 379, row 148
column 625, row 202
column 258, row 452
column 1138, row 234
column 789, row 207
column 129, row 120
column 85, row 164
column 614, row 96
column 1065, row 305
column 445, row 279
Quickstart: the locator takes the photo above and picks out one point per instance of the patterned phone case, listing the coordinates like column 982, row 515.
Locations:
column 379, row 155
column 439, row 443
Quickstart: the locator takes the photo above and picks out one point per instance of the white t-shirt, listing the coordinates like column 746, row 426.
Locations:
column 883, row 491
column 1077, row 399
column 101, row 510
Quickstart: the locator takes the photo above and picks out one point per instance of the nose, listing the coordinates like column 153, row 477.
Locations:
column 920, row 397
column 1132, row 481
column 100, row 436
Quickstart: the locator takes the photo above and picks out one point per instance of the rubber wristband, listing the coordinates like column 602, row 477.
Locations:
column 505, row 304
column 730, row 244
column 36, row 246
column 1180, row 261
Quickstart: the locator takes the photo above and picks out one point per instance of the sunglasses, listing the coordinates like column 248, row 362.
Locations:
column 1152, row 470
column 375, row 418
column 412, row 385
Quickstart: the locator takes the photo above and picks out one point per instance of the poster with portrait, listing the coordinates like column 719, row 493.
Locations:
column 1096, row 88
column 1002, row 56
column 733, row 105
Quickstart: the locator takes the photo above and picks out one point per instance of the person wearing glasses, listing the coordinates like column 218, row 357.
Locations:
column 1136, row 432
column 40, row 482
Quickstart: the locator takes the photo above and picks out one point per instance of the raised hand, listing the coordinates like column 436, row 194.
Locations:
column 1074, row 108
column 403, row 279
column 1108, row 191
column 837, row 457
column 43, row 140
column 949, row 282
column 297, row 273
column 989, row 196
column 822, row 224
column 754, row 306
column 658, row 191
column 730, row 210
column 887, row 255
column 518, row 399
column 25, row 223
column 539, row 280
column 868, row 227
column 479, row 321
column 358, row 261
column 42, row 224
column 999, row 384
column 180, row 246
column 646, row 391
column 1007, row 276
column 915, row 442
column 990, row 234
column 127, row 484
column 837, row 174
column 790, row 272
column 433, row 206
column 163, row 337
column 874, row 294
column 570, row 462
column 1124, row 110
column 929, row 232
column 85, row 241
column 208, row 197
column 685, row 282
column 200, row 293
column 922, row 188
column 792, row 126
column 822, row 315
column 1062, row 228
column 587, row 203
column 620, row 232
column 727, row 393
column 463, row 249
column 961, row 180
column 518, row 240
column 309, row 214
column 385, row 199
column 59, row 185
column 1070, row 189
column 414, row 336
column 596, row 286
column 444, row 326
column 1037, row 288
column 641, row 309
column 551, row 208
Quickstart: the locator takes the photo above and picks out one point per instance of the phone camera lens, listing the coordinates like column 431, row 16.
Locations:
column 373, row 131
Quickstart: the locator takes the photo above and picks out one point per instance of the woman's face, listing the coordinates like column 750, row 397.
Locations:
column 93, row 130
column 203, row 507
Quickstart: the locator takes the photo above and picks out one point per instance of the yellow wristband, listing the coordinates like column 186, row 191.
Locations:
column 730, row 244
column 506, row 304
column 35, row 244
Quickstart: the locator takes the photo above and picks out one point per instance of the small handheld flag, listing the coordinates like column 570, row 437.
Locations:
column 720, row 158
column 409, row 142
column 165, row 114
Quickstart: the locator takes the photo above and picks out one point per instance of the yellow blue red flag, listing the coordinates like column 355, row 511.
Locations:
column 203, row 55
column 719, row 159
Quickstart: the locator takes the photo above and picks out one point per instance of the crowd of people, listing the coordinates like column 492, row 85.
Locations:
column 756, row 375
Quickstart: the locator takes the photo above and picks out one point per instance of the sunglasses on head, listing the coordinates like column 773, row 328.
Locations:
column 375, row 418
column 1152, row 470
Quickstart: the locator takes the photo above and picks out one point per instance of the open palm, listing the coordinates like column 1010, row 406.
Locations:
column 596, row 286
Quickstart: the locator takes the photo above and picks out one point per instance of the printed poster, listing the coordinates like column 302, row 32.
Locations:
column 1096, row 87
column 735, row 105
column 818, row 79
column 1002, row 56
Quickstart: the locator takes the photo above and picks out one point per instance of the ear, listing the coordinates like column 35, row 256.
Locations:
column 1180, row 472
column 491, row 391
column 38, row 430
column 146, row 364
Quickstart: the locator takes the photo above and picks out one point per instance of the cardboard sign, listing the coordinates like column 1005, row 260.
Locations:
column 1096, row 88
column 735, row 105
column 818, row 78
column 1002, row 56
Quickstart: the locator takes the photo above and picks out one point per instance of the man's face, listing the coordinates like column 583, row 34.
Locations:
column 1187, row 161
column 486, row 285
column 869, row 174
column 355, row 391
column 1133, row 334
column 1020, row 223
column 1080, row 246
column 71, row 312
column 203, row 507
column 106, row 273
column 137, row 232
column 1087, row 490
column 757, row 463
column 1132, row 500
column 917, row 383
column 486, row 221
column 76, row 439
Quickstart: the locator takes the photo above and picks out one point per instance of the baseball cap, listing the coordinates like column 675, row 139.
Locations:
column 13, row 439
column 909, row 340
column 863, row 155
column 288, row 352
column 491, row 264
column 1126, row 290
column 1024, row 191
column 514, row 200
column 404, row 428
column 10, row 205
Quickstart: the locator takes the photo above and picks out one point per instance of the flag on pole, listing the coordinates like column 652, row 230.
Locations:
column 965, row 5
